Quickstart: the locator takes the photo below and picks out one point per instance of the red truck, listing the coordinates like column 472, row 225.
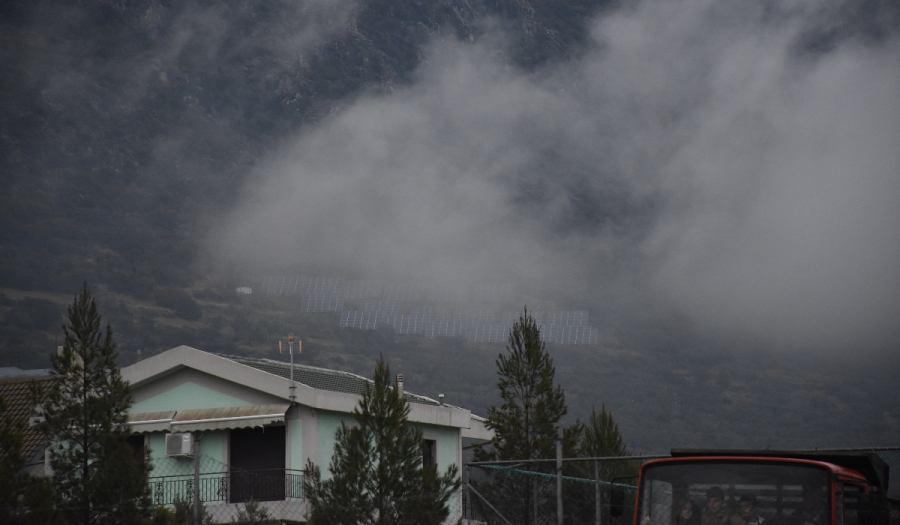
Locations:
column 727, row 487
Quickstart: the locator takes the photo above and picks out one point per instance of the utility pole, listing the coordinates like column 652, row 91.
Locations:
column 559, row 480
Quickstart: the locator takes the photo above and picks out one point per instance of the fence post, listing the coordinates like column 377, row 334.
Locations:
column 597, row 491
column 559, row 473
column 197, row 478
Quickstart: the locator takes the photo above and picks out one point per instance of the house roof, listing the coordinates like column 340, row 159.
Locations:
column 320, row 378
column 19, row 405
column 314, row 387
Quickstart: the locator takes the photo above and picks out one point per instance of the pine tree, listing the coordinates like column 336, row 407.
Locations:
column 97, row 477
column 377, row 471
column 602, row 439
column 527, row 424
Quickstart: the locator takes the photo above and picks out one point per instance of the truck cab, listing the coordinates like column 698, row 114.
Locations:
column 718, row 487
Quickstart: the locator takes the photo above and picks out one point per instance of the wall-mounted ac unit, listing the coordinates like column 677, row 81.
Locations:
column 180, row 445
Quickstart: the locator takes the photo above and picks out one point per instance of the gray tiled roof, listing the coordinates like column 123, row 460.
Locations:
column 320, row 378
column 19, row 404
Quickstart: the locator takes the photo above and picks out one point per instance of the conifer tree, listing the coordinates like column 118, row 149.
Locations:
column 527, row 424
column 97, row 477
column 602, row 439
column 378, row 476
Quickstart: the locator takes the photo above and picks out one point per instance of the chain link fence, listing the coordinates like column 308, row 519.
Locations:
column 501, row 492
column 530, row 492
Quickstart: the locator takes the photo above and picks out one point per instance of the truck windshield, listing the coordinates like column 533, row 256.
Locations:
column 734, row 493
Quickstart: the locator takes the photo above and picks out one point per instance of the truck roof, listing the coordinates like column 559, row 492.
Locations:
column 869, row 464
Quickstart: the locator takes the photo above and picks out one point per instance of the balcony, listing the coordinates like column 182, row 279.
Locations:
column 230, row 487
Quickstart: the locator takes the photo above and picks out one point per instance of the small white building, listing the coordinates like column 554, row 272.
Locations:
column 248, row 429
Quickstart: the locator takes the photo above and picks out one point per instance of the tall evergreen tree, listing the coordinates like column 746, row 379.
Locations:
column 378, row 476
column 602, row 439
column 527, row 424
column 97, row 477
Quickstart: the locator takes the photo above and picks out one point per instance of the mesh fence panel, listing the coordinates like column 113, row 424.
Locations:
column 601, row 491
column 526, row 492
column 596, row 491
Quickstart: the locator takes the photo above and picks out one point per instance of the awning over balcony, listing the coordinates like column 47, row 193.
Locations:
column 207, row 418
column 228, row 417
column 150, row 421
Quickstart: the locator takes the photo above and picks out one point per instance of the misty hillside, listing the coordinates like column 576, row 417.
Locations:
column 716, row 185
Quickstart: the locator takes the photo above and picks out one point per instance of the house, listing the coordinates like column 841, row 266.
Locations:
column 16, row 391
column 240, row 428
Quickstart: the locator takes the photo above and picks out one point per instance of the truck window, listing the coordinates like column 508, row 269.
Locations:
column 734, row 493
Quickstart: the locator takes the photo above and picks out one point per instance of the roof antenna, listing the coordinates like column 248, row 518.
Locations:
column 291, row 351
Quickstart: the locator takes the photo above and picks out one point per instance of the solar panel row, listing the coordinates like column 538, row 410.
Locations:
column 401, row 292
column 322, row 303
column 361, row 320
column 380, row 304
column 570, row 335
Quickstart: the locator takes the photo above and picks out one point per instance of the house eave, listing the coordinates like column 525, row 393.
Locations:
column 182, row 357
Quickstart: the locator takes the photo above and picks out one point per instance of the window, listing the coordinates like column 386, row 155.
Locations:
column 136, row 442
column 429, row 452
column 781, row 492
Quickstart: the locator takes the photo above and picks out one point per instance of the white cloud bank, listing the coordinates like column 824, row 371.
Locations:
column 696, row 155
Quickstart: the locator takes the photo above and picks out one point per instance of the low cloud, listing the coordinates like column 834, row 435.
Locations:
column 712, row 158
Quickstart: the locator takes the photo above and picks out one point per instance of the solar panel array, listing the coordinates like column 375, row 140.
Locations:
column 322, row 303
column 570, row 335
column 364, row 320
column 381, row 304
column 576, row 318
column 488, row 333
column 446, row 328
column 400, row 292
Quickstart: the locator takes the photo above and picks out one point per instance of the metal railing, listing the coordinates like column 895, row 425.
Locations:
column 229, row 487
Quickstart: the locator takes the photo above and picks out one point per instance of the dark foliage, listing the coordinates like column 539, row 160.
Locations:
column 96, row 477
column 24, row 499
column 377, row 471
column 527, row 424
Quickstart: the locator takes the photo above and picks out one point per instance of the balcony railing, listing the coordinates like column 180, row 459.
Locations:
column 230, row 487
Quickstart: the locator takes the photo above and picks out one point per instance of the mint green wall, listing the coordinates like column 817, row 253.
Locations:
column 295, row 442
column 187, row 396
column 446, row 444
column 212, row 455
column 327, row 425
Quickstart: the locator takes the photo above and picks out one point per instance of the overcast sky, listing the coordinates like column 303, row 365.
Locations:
column 735, row 163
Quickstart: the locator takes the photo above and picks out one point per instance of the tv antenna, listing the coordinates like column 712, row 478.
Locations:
column 291, row 351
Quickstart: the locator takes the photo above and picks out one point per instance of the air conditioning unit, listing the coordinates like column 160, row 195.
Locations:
column 180, row 445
